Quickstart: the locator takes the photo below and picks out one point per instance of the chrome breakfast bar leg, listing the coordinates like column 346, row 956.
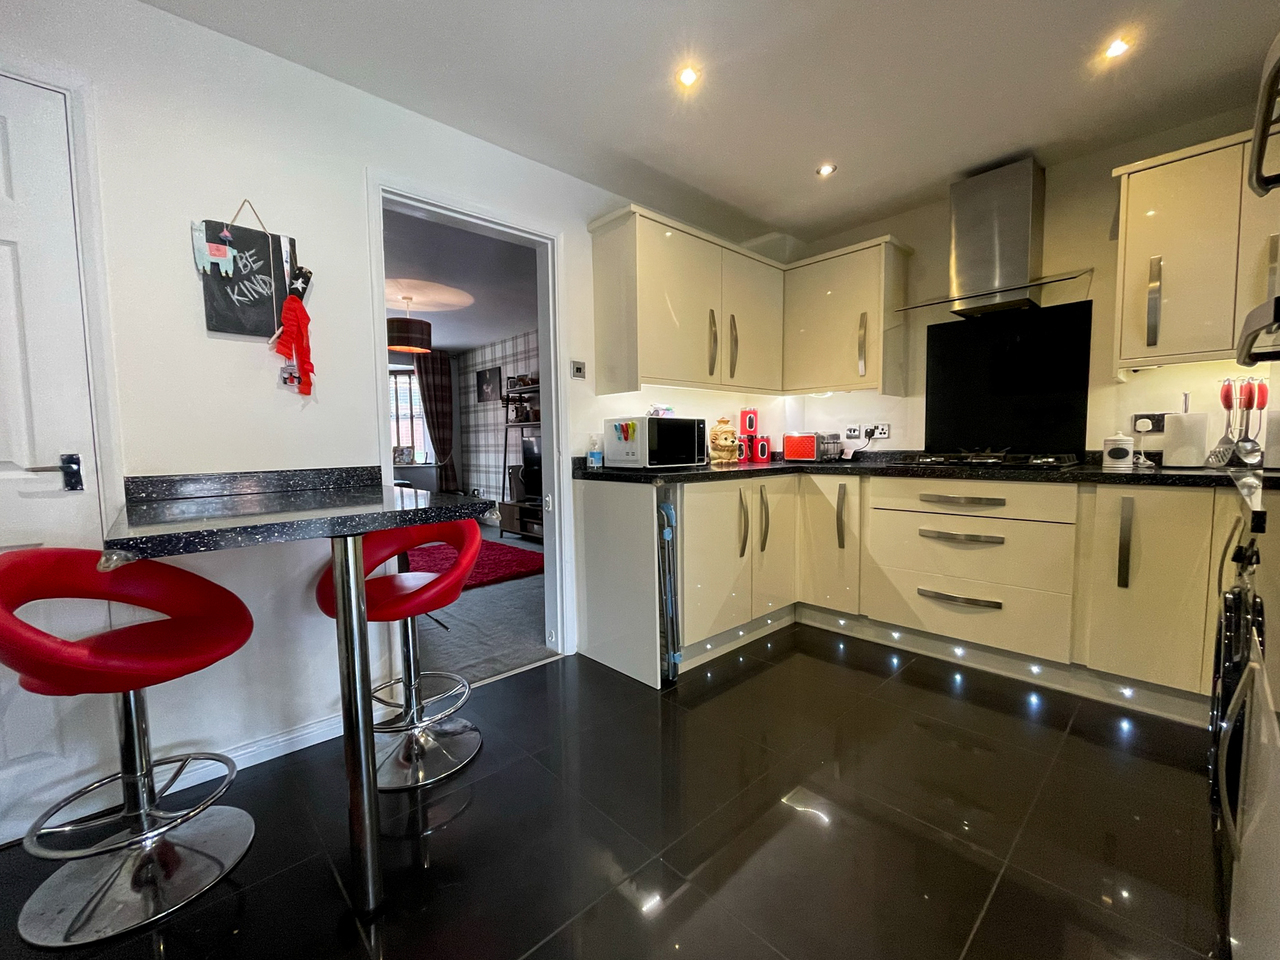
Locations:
column 357, row 719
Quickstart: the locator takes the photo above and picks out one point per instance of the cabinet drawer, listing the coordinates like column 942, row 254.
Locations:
column 1054, row 502
column 1021, row 553
column 1032, row 622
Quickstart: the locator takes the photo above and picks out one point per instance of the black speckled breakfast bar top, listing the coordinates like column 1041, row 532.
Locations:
column 224, row 511
column 1087, row 472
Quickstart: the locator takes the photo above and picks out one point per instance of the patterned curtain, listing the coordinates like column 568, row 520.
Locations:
column 435, row 382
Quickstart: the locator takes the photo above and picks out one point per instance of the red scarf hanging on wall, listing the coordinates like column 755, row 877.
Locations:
column 294, row 342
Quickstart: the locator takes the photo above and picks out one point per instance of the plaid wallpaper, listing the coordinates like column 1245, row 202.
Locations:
column 479, row 458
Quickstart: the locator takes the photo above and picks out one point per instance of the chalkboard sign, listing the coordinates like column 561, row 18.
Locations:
column 244, row 273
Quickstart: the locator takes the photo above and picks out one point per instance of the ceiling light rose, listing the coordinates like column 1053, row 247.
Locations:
column 826, row 170
column 1118, row 46
column 407, row 334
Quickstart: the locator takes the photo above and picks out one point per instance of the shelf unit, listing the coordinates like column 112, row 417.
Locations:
column 523, row 516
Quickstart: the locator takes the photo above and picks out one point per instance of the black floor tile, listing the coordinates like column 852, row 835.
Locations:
column 821, row 876
column 1127, row 851
column 657, row 769
column 1022, row 713
column 656, row 913
column 1028, row 918
column 510, row 867
column 1156, row 754
column 538, row 706
column 976, row 788
column 782, row 706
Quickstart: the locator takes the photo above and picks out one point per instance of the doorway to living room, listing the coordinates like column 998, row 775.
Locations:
column 468, row 310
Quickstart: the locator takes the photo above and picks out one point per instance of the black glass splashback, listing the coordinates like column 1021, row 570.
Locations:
column 1016, row 381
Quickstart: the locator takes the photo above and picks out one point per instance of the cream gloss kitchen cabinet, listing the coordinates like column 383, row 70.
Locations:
column 1145, row 565
column 737, row 553
column 828, row 543
column 672, row 306
column 840, row 328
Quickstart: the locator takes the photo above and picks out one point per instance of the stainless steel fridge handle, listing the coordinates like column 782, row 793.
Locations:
column 733, row 346
column 714, row 347
column 744, row 516
column 764, row 517
column 965, row 501
column 962, row 601
column 841, row 494
column 1155, row 283
column 1273, row 261
column 862, row 344
column 1124, row 554
column 960, row 537
column 1229, row 826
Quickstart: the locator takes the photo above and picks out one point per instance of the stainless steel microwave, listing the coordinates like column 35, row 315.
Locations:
column 655, row 442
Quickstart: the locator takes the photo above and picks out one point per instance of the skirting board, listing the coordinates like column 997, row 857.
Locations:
column 707, row 650
column 266, row 748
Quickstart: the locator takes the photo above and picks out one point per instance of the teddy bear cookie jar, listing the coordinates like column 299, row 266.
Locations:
column 724, row 443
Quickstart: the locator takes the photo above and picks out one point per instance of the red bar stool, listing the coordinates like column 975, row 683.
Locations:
column 421, row 743
column 135, row 862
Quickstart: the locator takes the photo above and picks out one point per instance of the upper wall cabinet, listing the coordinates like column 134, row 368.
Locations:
column 675, row 308
column 840, row 330
column 1196, row 254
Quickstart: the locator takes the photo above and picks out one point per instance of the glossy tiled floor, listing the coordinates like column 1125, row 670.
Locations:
column 808, row 797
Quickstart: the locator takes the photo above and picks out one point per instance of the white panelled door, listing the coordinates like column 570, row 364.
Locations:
column 44, row 413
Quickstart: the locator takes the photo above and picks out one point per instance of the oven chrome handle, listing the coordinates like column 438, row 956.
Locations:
column 1234, row 711
column 1124, row 554
column 713, row 347
column 1155, row 283
column 841, row 495
column 962, row 500
column 960, row 537
column 862, row 344
column 764, row 518
column 744, row 521
column 733, row 346
column 962, row 601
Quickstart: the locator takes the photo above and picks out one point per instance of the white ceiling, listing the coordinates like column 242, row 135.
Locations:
column 903, row 95
column 502, row 276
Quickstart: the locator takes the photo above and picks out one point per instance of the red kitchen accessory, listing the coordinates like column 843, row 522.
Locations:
column 1253, row 395
column 760, row 450
column 1221, row 452
column 800, row 446
column 744, row 449
column 749, row 422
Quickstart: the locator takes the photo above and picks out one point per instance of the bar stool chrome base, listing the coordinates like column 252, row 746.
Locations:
column 109, row 894
column 425, row 754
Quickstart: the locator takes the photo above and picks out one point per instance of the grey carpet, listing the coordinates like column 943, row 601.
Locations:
column 492, row 629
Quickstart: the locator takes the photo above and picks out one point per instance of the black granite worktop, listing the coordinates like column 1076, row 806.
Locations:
column 163, row 528
column 1084, row 473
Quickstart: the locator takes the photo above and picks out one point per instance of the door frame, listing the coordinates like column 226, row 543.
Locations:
column 465, row 213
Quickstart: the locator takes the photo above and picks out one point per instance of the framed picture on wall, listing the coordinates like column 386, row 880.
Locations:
column 489, row 385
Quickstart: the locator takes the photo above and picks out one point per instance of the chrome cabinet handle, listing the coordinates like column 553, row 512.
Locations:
column 715, row 344
column 744, row 515
column 962, row 601
column 966, row 501
column 840, row 498
column 733, row 346
column 1228, row 722
column 862, row 344
column 1126, row 542
column 764, row 518
column 68, row 466
column 1273, row 259
column 960, row 537
column 1155, row 270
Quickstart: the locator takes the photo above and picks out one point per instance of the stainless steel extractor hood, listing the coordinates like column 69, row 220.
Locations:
column 997, row 238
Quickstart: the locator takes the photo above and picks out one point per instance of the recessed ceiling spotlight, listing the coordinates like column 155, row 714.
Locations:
column 688, row 76
column 826, row 170
column 1117, row 48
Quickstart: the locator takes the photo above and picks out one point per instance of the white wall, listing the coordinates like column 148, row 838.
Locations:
column 184, row 124
column 1082, row 202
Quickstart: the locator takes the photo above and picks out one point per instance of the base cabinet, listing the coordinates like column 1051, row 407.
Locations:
column 1147, row 573
column 773, row 547
column 716, row 554
column 829, row 545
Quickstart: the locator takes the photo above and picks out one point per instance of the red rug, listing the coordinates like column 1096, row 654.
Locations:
column 497, row 562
